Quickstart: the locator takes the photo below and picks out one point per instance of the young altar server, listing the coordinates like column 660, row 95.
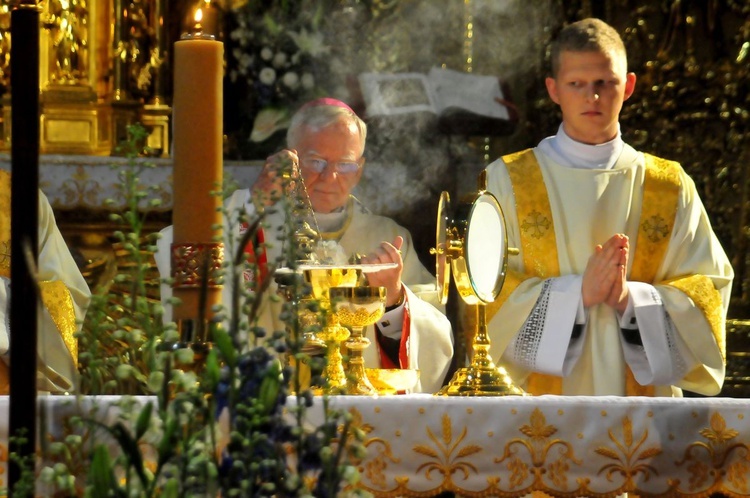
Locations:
column 621, row 286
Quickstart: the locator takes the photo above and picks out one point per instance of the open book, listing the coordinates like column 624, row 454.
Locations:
column 464, row 103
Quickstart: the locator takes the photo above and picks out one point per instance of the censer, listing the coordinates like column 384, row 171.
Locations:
column 472, row 243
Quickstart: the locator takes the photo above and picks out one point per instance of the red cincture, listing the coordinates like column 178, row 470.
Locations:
column 403, row 355
column 257, row 269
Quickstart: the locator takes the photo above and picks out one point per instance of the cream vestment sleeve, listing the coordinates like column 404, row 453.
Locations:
column 65, row 297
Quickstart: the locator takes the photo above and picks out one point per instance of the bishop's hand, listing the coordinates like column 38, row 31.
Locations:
column 274, row 177
column 387, row 252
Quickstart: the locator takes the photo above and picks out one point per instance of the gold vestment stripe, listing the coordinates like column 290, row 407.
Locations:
column 538, row 242
column 703, row 293
column 4, row 379
column 58, row 301
column 5, row 223
column 54, row 294
column 661, row 188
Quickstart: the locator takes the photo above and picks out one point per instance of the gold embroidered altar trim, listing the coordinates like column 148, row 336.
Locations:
column 600, row 450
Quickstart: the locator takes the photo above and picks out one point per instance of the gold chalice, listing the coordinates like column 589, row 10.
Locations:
column 322, row 278
column 357, row 307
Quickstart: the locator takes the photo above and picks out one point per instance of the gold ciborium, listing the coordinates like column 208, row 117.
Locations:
column 357, row 307
column 322, row 278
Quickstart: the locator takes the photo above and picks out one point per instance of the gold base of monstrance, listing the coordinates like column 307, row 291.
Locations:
column 482, row 377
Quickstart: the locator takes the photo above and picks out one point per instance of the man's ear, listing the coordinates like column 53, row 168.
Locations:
column 551, row 84
column 629, row 85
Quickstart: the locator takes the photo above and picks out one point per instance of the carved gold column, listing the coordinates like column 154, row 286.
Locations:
column 156, row 113
column 124, row 107
column 70, row 116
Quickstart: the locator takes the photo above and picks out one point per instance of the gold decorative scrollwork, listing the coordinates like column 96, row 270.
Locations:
column 721, row 442
column 447, row 454
column 191, row 261
column 374, row 467
column 538, row 445
column 629, row 455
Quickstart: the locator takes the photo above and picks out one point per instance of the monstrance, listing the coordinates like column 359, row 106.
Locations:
column 473, row 244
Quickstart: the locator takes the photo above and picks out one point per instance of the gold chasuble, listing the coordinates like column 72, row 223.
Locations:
column 54, row 294
column 661, row 190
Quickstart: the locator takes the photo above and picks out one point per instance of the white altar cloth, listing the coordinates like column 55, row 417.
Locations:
column 421, row 445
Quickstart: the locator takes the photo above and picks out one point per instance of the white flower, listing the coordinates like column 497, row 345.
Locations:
column 266, row 54
column 245, row 60
column 267, row 76
column 279, row 59
column 236, row 34
column 308, row 81
column 291, row 80
column 311, row 43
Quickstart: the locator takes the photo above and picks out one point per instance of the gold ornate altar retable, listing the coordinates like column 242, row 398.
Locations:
column 103, row 66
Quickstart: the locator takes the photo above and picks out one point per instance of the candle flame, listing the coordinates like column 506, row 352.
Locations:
column 198, row 16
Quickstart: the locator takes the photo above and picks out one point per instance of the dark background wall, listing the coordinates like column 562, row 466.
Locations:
column 691, row 103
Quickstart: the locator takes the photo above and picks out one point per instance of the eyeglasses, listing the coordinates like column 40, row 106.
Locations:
column 318, row 165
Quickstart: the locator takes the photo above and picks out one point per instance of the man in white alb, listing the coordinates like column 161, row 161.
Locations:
column 621, row 286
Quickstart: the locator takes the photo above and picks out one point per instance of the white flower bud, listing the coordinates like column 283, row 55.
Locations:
column 279, row 59
column 47, row 475
column 308, row 81
column 291, row 80
column 267, row 76
column 184, row 355
column 266, row 54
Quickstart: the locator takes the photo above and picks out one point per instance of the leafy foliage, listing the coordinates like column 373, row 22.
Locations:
column 221, row 424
